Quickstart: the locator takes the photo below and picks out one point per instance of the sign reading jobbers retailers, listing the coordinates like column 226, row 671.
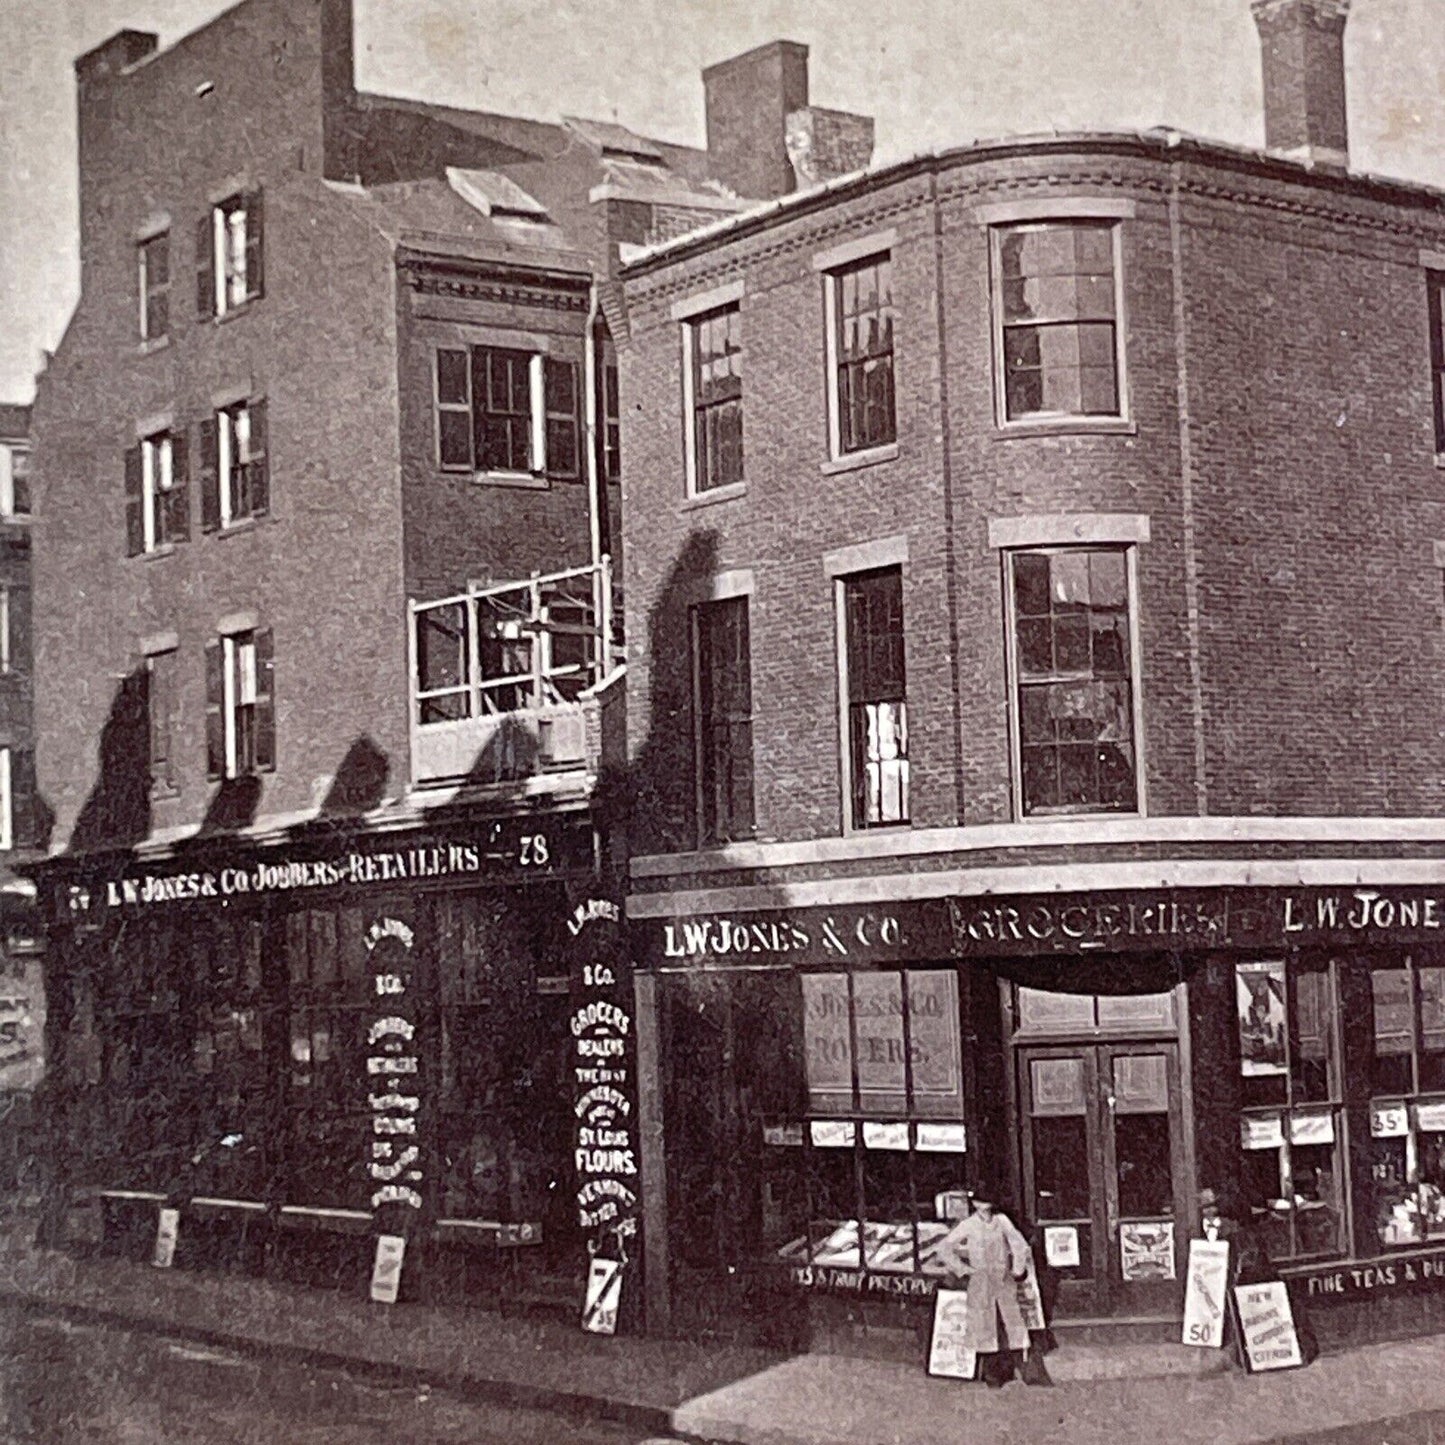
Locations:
column 603, row 1049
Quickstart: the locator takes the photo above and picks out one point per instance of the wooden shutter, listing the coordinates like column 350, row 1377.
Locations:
column 210, row 462
column 255, row 246
column 215, row 710
column 176, row 504
column 21, row 648
column 563, row 401
column 205, row 267
column 259, row 478
column 135, row 501
column 22, row 798
column 265, row 702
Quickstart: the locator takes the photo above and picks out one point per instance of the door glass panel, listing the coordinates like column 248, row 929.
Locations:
column 1141, row 1135
column 1057, row 1086
column 1136, row 1011
column 1061, row 1167
column 1141, row 1084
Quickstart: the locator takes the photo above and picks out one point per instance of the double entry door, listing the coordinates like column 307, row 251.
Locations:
column 1103, row 1164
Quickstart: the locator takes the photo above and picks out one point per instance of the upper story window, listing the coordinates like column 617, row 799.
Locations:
column 724, row 732
column 611, row 424
column 714, row 398
column 1072, row 684
column 860, row 354
column 14, row 628
column 229, row 255
column 240, row 705
column 157, row 502
column 17, row 794
column 153, row 265
column 1435, row 280
column 235, row 474
column 1056, row 309
column 14, row 480
column 876, row 691
column 507, row 412
column 161, row 701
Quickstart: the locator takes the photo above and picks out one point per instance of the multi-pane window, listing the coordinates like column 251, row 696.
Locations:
column 1291, row 1168
column 161, row 700
column 862, row 347
column 1435, row 280
column 17, row 795
column 611, row 424
column 235, row 473
column 1073, row 680
column 15, row 614
column 876, row 691
column 1057, row 318
column 240, row 705
column 14, row 480
column 715, row 384
column 157, row 501
column 1407, row 1104
column 507, row 411
column 153, row 265
column 724, row 721
column 229, row 255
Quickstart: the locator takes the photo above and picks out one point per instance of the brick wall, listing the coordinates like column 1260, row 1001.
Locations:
column 1302, row 540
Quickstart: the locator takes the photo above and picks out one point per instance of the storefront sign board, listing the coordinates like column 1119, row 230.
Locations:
column 1266, row 1326
column 948, row 1356
column 1205, row 1292
column 393, row 1072
column 1397, row 1275
column 386, row 1268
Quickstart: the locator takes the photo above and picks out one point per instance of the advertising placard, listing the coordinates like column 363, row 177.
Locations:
column 1146, row 1250
column 1205, row 1292
column 168, row 1228
column 603, row 1297
column 1266, row 1326
column 948, row 1356
column 386, row 1268
column 1061, row 1246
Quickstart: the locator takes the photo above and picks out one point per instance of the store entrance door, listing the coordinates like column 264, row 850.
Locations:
column 1103, row 1172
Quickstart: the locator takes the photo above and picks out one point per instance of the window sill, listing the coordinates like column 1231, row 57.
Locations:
column 528, row 481
column 717, row 494
column 853, row 461
column 239, row 529
column 241, row 308
column 155, row 553
column 164, row 792
column 151, row 345
column 873, row 830
column 1067, row 426
column 1079, row 815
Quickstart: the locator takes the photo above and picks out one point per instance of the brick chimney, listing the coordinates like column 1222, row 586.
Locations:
column 749, row 99
column 124, row 49
column 1304, row 78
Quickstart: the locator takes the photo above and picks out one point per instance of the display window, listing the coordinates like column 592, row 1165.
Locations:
column 1290, row 1127
column 1407, row 1102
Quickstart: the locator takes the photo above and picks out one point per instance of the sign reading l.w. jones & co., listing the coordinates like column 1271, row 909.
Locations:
column 1176, row 919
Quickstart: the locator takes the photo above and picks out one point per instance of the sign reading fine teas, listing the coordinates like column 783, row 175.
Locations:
column 393, row 1070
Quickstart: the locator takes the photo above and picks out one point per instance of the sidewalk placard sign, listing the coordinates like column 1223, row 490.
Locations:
column 948, row 1355
column 1031, row 1302
column 1206, row 1292
column 604, row 1296
column 1266, row 1326
column 168, row 1227
column 386, row 1269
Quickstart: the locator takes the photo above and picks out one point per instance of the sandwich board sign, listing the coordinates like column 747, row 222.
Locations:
column 1206, row 1292
column 603, row 1297
column 1266, row 1326
column 948, row 1355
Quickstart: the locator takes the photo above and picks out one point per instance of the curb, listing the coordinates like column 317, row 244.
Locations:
column 647, row 1419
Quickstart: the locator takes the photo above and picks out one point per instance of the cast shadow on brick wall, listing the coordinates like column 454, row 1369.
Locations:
column 118, row 810
column 654, row 796
column 359, row 784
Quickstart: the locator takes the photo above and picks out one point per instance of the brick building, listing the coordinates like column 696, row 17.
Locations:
column 1033, row 552
column 329, row 460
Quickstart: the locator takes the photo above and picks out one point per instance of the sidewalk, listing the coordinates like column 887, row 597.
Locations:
column 1104, row 1394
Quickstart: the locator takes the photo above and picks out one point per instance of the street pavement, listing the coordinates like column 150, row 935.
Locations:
column 396, row 1364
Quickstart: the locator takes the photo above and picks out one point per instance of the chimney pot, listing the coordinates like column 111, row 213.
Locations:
column 1303, row 45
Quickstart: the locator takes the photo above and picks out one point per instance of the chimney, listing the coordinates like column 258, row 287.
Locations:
column 1304, row 78
column 749, row 99
column 823, row 144
column 125, row 48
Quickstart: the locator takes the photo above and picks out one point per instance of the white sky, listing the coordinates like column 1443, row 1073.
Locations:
column 933, row 73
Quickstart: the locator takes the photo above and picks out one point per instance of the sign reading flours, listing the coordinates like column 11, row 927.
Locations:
column 516, row 849
column 603, row 1046
column 1031, row 925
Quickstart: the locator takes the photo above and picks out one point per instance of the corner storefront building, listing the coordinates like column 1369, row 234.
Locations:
column 836, row 1075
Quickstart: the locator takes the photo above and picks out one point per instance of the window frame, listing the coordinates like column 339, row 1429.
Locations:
column 1067, row 217
column 237, row 474
column 833, row 277
column 694, row 410
column 222, row 264
column 150, row 290
column 7, row 799
column 14, row 468
column 227, row 675
column 1435, row 310
column 1008, row 556
column 717, row 833
column 847, row 704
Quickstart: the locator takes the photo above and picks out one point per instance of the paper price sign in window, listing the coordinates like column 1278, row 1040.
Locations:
column 831, row 1133
column 884, row 1136
column 1430, row 1118
column 1061, row 1246
column 1312, row 1127
column 1389, row 1121
column 1261, row 1131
